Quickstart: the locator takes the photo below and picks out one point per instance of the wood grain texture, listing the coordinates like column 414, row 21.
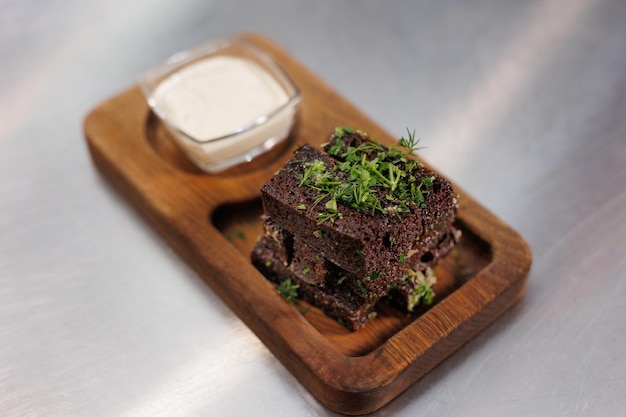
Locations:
column 212, row 221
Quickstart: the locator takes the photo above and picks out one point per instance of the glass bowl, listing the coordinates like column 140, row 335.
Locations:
column 224, row 102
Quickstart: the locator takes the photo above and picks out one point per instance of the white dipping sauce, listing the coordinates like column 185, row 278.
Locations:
column 219, row 96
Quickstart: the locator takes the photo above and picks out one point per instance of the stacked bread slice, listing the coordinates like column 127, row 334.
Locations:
column 356, row 223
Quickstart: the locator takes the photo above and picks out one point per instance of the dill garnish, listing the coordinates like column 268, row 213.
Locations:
column 288, row 291
column 369, row 177
column 423, row 291
column 409, row 143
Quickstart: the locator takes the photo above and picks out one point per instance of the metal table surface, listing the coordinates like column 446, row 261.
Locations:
column 523, row 104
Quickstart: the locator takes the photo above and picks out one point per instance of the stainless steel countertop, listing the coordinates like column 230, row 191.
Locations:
column 523, row 104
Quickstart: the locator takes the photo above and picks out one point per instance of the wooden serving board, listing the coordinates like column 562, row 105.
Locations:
column 213, row 222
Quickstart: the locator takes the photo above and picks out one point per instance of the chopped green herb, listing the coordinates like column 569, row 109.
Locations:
column 360, row 253
column 238, row 234
column 423, row 291
column 343, row 130
column 328, row 216
column 428, row 181
column 305, row 271
column 335, row 149
column 268, row 263
column 301, row 206
column 362, row 288
column 409, row 143
column 402, row 258
column 374, row 275
column 369, row 178
column 288, row 291
column 317, row 233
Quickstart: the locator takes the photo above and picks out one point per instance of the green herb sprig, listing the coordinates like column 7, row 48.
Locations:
column 423, row 291
column 410, row 143
column 288, row 290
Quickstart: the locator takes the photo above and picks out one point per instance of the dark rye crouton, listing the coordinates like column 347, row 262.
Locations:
column 348, row 307
column 308, row 266
column 363, row 243
column 361, row 214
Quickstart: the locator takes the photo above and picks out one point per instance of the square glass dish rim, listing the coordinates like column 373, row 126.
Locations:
column 182, row 59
